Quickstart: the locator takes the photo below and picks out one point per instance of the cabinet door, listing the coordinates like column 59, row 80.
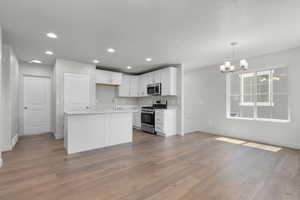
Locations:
column 103, row 77
column 159, row 121
column 116, row 78
column 134, row 86
column 143, row 85
column 124, row 88
column 157, row 76
column 116, row 126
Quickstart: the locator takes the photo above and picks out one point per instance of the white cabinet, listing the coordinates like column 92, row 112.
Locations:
column 116, row 78
column 165, row 122
column 137, row 119
column 143, row 82
column 108, row 78
column 129, row 86
column 134, row 86
column 124, row 88
column 169, row 81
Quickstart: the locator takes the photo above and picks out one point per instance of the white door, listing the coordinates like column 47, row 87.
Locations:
column 36, row 105
column 76, row 92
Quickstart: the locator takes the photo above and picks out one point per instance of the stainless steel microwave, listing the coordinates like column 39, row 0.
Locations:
column 154, row 89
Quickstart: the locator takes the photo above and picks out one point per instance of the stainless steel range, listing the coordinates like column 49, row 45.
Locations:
column 148, row 119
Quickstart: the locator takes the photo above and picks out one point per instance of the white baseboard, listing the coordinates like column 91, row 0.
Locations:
column 6, row 147
column 58, row 136
column 9, row 147
column 14, row 141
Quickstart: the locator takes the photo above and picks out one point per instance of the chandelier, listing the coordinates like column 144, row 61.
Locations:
column 229, row 67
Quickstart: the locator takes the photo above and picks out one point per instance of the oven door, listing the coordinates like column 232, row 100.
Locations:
column 147, row 118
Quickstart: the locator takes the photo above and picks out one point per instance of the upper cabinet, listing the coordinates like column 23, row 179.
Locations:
column 108, row 78
column 129, row 86
column 136, row 86
column 143, row 82
column 168, row 81
column 167, row 77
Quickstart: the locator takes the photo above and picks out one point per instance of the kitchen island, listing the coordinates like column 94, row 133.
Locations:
column 88, row 130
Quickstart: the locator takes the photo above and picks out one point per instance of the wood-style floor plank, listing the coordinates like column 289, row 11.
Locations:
column 195, row 166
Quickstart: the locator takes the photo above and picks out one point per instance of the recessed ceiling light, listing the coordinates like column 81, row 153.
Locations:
column 95, row 61
column 51, row 35
column 36, row 61
column 111, row 50
column 148, row 59
column 49, row 53
column 128, row 67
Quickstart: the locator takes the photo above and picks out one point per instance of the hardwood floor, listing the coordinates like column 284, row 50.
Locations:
column 195, row 166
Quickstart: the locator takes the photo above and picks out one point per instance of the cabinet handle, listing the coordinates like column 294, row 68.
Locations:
column 25, row 107
column 87, row 107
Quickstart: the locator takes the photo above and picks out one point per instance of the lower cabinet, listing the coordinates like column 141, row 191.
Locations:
column 165, row 122
column 116, row 133
column 137, row 119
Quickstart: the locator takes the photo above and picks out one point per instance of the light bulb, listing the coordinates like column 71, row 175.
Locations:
column 244, row 64
column 227, row 64
column 232, row 68
column 222, row 68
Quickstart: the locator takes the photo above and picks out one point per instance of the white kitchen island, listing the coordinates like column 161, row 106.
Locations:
column 90, row 130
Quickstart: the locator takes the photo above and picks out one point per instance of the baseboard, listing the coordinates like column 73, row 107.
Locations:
column 9, row 147
column 14, row 141
column 258, row 140
column 58, row 136
column 6, row 147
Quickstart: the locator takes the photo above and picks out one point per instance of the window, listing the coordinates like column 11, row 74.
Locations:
column 258, row 95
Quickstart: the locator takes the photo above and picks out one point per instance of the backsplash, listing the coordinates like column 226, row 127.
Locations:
column 106, row 97
column 172, row 100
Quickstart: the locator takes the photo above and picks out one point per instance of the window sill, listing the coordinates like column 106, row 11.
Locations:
column 257, row 119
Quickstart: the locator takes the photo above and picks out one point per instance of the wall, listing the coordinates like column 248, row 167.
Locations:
column 1, row 112
column 107, row 96
column 32, row 69
column 65, row 66
column 10, row 76
column 205, row 105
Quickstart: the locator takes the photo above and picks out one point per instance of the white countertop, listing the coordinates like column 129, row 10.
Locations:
column 93, row 112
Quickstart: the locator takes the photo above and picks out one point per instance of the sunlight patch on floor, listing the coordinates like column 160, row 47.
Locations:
column 262, row 146
column 230, row 140
column 249, row 144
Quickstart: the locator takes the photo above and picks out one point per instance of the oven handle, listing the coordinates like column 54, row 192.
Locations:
column 147, row 112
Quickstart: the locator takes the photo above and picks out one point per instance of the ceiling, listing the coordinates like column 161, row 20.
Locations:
column 195, row 33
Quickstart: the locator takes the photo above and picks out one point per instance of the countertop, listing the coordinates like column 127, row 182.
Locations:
column 94, row 112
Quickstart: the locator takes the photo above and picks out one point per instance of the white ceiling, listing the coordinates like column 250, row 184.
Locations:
column 195, row 33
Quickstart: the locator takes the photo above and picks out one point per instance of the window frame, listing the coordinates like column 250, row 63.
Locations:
column 255, row 118
column 242, row 77
column 270, row 91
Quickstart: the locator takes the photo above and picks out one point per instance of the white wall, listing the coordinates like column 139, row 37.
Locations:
column 32, row 69
column 1, row 112
column 205, row 103
column 106, row 96
column 10, row 75
column 65, row 66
